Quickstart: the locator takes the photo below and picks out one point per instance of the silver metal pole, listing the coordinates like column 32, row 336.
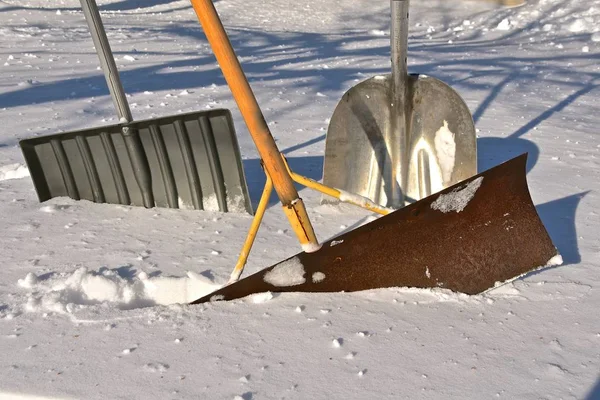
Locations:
column 398, row 138
column 107, row 61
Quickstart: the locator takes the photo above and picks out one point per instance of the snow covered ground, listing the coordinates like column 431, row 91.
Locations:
column 86, row 289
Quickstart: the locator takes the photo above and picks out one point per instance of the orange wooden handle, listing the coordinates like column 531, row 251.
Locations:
column 255, row 121
column 244, row 97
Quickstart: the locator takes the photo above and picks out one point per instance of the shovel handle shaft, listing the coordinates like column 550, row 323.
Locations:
column 399, row 43
column 107, row 61
column 339, row 194
column 245, row 99
column 397, row 140
column 253, row 116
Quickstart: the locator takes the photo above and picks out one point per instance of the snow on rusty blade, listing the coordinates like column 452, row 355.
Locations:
column 466, row 238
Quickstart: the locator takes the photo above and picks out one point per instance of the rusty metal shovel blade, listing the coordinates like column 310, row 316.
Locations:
column 466, row 238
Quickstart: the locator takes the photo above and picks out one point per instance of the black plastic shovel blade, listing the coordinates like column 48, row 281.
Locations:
column 183, row 161
column 466, row 238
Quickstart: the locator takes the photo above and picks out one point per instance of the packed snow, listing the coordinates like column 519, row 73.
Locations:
column 92, row 295
column 457, row 199
column 13, row 171
column 288, row 273
column 445, row 149
column 62, row 292
column 318, row 277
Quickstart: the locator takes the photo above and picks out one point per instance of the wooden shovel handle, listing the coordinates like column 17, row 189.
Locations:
column 244, row 97
column 255, row 121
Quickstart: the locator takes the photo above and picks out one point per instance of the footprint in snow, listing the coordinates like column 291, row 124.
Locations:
column 156, row 367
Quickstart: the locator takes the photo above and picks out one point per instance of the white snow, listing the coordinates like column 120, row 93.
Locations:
column 169, row 290
column 13, row 171
column 185, row 206
column 318, row 277
column 458, row 198
column 262, row 297
column 552, row 262
column 530, row 88
column 504, row 25
column 555, row 261
column 378, row 32
column 288, row 273
column 445, row 149
column 63, row 292
column 29, row 281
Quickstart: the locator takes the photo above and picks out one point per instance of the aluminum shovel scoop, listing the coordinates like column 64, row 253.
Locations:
column 399, row 138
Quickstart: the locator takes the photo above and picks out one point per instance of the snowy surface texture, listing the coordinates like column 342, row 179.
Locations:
column 63, row 292
column 13, row 171
column 457, row 199
column 445, row 148
column 288, row 273
column 79, row 318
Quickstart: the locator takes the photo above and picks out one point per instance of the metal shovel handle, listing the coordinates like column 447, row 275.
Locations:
column 397, row 140
column 399, row 43
column 107, row 61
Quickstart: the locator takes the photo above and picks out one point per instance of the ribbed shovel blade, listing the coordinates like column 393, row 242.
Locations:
column 182, row 161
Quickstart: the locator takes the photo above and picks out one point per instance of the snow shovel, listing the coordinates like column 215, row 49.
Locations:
column 182, row 161
column 399, row 138
column 466, row 238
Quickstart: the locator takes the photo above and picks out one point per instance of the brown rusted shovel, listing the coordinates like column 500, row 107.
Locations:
column 466, row 238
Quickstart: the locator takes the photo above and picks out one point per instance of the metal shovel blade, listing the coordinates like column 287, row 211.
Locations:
column 399, row 138
column 441, row 148
column 467, row 238
column 183, row 161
